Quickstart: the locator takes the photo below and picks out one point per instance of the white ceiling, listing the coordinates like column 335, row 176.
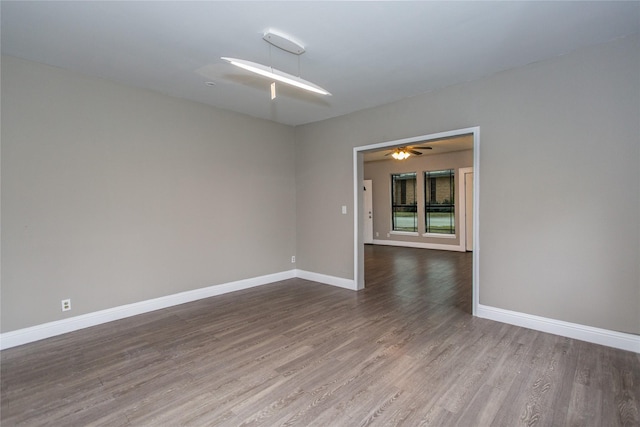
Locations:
column 364, row 53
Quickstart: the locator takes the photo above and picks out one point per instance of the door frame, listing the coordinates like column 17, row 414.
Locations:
column 463, row 172
column 358, row 176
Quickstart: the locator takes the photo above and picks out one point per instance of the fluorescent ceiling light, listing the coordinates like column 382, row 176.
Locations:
column 278, row 75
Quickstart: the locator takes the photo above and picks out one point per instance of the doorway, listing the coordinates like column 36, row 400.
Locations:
column 359, row 231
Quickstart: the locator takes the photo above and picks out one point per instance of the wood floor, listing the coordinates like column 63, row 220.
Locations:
column 404, row 351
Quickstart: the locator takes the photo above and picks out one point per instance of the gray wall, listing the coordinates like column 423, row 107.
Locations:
column 379, row 172
column 113, row 195
column 559, row 182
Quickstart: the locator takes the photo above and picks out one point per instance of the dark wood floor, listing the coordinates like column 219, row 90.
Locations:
column 404, row 351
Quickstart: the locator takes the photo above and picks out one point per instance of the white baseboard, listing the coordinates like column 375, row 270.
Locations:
column 606, row 337
column 421, row 245
column 58, row 327
column 326, row 279
column 10, row 339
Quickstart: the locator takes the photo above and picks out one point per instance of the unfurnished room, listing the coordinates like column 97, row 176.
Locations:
column 406, row 213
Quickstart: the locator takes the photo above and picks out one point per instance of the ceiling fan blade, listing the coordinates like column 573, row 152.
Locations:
column 415, row 153
column 422, row 148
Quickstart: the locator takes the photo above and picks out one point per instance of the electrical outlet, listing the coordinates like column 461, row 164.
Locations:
column 66, row 304
column 377, row 234
column 293, row 259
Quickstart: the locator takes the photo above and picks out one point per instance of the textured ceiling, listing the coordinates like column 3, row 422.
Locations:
column 365, row 53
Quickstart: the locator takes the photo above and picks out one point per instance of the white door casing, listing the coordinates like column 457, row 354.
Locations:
column 468, row 214
column 358, row 165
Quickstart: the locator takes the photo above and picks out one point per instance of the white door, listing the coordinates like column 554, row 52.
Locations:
column 367, row 211
column 468, row 194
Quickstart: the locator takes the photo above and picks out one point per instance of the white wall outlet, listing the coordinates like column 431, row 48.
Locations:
column 344, row 209
column 66, row 304
column 293, row 259
column 377, row 234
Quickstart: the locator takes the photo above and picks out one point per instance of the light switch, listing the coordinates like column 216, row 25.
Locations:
column 344, row 209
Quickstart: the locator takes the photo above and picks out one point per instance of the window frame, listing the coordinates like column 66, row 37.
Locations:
column 428, row 204
column 394, row 177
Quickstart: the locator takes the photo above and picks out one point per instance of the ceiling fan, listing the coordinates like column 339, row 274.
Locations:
column 401, row 153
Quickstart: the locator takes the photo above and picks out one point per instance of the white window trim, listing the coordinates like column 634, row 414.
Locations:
column 439, row 235
column 404, row 233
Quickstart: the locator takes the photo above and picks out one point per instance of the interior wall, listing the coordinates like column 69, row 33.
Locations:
column 113, row 195
column 380, row 173
column 559, row 182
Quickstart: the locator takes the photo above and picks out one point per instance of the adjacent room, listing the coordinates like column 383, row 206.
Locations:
column 421, row 197
column 320, row 213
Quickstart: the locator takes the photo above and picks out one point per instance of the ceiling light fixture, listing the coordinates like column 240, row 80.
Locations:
column 287, row 44
column 400, row 154
column 278, row 75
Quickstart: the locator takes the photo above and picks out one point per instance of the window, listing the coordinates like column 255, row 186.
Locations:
column 439, row 196
column 404, row 208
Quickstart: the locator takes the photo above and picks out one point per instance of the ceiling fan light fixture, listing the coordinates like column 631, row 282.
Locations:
column 400, row 155
column 275, row 74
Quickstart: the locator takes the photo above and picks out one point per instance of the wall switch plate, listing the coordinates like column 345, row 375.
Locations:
column 66, row 304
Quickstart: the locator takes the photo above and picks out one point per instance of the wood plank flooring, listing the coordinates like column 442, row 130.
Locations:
column 404, row 351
